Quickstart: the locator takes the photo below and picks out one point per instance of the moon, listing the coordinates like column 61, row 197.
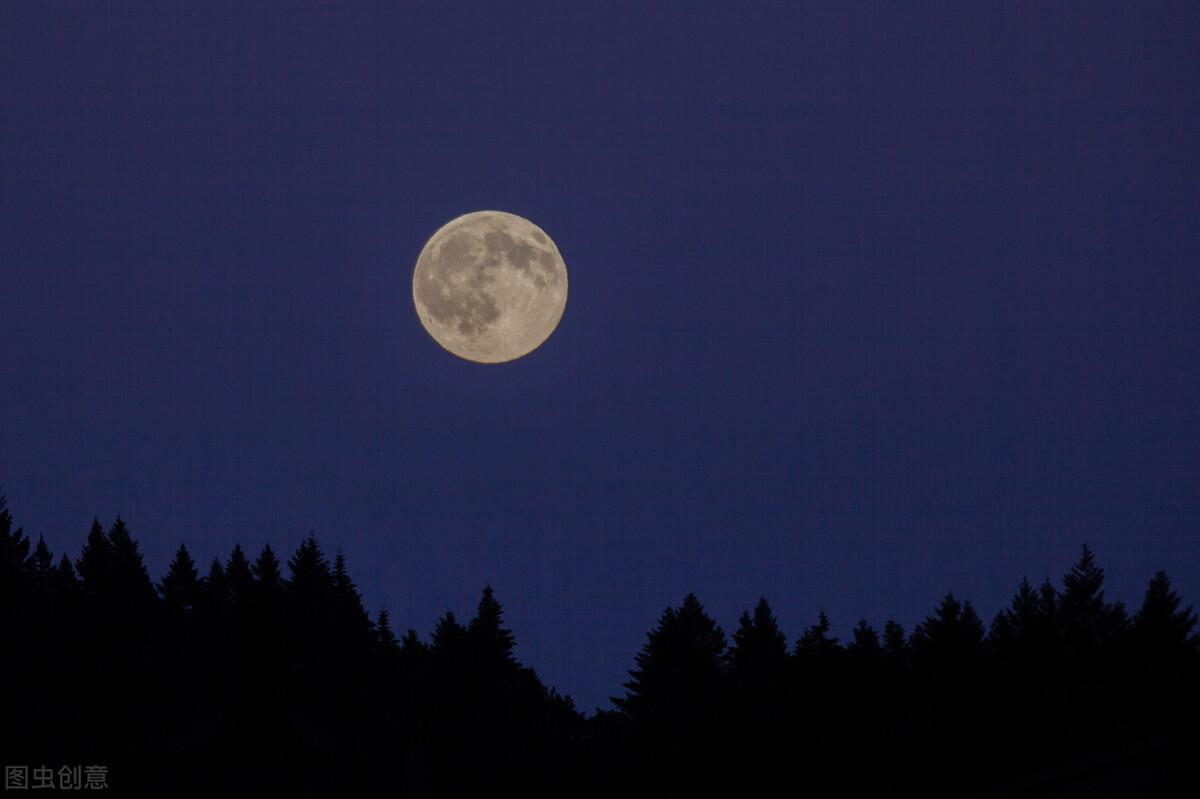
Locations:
column 490, row 286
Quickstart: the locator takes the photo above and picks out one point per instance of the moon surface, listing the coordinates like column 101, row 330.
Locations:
column 490, row 286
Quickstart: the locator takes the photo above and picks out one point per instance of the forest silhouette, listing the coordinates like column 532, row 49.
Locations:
column 262, row 677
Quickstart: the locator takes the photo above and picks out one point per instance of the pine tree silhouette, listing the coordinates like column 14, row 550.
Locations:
column 895, row 642
column 759, row 651
column 759, row 697
column 65, row 580
column 1163, row 631
column 181, row 587
column 41, row 562
column 95, row 561
column 215, row 596
column 266, row 570
column 383, row 631
column 130, row 580
column 449, row 638
column 491, row 643
column 414, row 653
column 14, row 547
column 864, row 645
column 240, row 576
column 950, row 637
column 311, row 579
column 352, row 616
column 1088, row 621
column 678, row 669
column 816, row 642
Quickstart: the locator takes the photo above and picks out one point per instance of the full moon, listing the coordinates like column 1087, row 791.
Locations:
column 490, row 286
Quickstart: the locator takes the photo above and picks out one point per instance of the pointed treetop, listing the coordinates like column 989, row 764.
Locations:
column 239, row 573
column 94, row 560
column 181, row 585
column 759, row 645
column 266, row 569
column 816, row 638
column 310, row 570
column 1160, row 625
column 953, row 632
column 492, row 641
column 895, row 642
column 41, row 562
column 383, row 630
column 448, row 635
column 866, row 640
column 678, row 668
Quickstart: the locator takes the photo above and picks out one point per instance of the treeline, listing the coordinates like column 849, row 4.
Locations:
column 254, row 677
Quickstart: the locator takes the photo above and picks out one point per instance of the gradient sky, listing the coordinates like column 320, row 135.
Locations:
column 867, row 303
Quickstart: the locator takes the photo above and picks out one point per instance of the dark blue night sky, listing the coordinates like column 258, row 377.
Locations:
column 868, row 303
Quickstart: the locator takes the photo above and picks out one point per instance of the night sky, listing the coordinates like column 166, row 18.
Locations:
column 867, row 303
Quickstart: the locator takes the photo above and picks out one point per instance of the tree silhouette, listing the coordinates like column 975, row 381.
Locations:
column 286, row 686
column 352, row 616
column 214, row 594
column 758, row 655
column 181, row 587
column 41, row 562
column 383, row 630
column 240, row 576
column 14, row 546
column 94, row 564
column 1164, row 631
column 816, row 642
column 266, row 569
column 949, row 637
column 131, row 581
column 1088, row 621
column 311, row 580
column 895, row 642
column 491, row 643
column 449, row 638
column 865, row 642
column 678, row 669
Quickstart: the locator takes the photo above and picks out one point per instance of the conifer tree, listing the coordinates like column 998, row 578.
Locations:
column 759, row 650
column 14, row 550
column 181, row 587
column 1087, row 619
column 383, row 630
column 311, row 578
column 41, row 562
column 95, row 561
column 266, row 570
column 678, row 670
column 449, row 638
column 1163, row 631
column 865, row 643
column 895, row 642
column 952, row 635
column 414, row 653
column 491, row 643
column 214, row 595
column 352, row 616
column 240, row 576
column 130, row 580
column 816, row 640
column 65, row 580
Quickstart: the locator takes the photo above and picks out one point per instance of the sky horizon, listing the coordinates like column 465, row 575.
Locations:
column 867, row 304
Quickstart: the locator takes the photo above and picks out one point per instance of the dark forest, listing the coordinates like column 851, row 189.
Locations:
column 263, row 674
